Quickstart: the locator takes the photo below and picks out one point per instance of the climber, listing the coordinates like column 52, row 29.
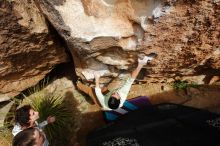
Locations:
column 114, row 98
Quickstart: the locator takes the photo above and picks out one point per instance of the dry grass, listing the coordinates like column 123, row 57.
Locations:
column 5, row 137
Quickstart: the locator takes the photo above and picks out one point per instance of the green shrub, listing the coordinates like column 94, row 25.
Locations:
column 183, row 85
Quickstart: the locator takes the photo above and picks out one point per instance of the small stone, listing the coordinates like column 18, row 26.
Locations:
column 50, row 43
column 170, row 80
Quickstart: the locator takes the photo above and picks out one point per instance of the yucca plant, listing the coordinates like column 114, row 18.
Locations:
column 54, row 105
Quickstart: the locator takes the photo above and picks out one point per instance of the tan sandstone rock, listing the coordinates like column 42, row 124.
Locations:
column 28, row 48
column 184, row 34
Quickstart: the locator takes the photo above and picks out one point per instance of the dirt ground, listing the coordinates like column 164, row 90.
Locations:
column 204, row 97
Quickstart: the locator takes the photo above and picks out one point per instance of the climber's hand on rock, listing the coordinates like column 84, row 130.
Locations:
column 96, row 75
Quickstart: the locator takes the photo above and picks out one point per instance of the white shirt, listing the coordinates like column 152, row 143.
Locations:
column 122, row 92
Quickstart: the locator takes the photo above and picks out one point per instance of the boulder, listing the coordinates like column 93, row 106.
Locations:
column 110, row 34
column 29, row 49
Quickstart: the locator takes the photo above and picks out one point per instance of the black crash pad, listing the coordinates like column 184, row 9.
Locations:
column 160, row 125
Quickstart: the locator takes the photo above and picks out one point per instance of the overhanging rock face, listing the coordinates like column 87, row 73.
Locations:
column 109, row 34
